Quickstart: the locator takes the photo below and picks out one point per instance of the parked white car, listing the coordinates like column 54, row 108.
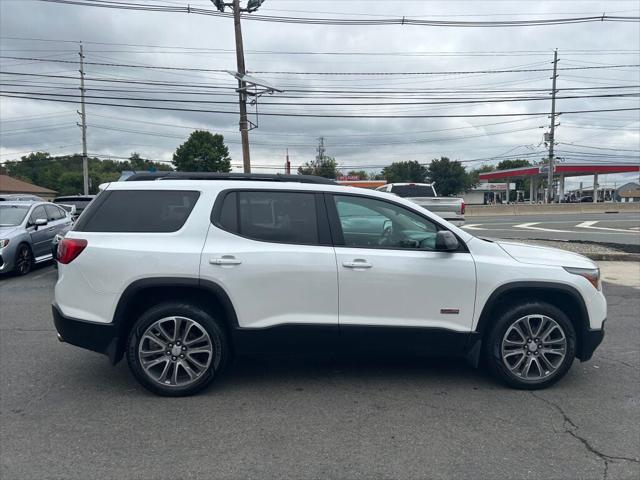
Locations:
column 181, row 273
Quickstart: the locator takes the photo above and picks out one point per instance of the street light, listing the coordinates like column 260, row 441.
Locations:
column 254, row 5
column 219, row 4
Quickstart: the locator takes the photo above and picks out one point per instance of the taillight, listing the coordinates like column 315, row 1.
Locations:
column 70, row 248
column 462, row 209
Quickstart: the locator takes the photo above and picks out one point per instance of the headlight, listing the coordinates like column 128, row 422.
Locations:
column 591, row 274
column 4, row 242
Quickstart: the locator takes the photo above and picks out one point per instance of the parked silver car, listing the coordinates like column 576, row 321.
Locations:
column 26, row 233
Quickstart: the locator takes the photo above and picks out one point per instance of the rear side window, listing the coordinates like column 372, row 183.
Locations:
column 53, row 213
column 406, row 191
column 279, row 217
column 139, row 211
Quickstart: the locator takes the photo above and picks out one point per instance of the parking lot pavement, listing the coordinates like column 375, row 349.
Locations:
column 65, row 413
column 623, row 228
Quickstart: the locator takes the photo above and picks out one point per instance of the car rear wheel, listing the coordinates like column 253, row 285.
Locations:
column 177, row 349
column 531, row 346
column 24, row 260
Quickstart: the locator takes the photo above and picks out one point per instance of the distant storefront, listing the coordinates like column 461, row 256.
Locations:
column 488, row 193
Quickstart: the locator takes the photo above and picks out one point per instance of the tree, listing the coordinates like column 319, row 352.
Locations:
column 64, row 174
column 508, row 164
column 474, row 175
column 450, row 178
column 326, row 167
column 137, row 163
column 203, row 152
column 399, row 172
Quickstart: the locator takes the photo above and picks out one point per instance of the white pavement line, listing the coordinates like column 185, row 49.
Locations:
column 592, row 223
column 531, row 226
column 473, row 226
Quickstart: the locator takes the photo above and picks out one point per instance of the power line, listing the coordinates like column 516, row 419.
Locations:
column 200, row 69
column 305, row 115
column 403, row 21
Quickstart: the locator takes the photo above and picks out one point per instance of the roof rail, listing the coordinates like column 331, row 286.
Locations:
column 256, row 177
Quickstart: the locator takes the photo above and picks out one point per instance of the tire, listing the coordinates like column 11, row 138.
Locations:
column 153, row 335
column 24, row 260
column 550, row 354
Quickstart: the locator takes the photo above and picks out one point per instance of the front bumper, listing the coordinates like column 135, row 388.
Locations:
column 591, row 339
column 97, row 337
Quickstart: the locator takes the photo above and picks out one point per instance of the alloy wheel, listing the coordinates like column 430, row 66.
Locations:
column 23, row 260
column 534, row 347
column 175, row 351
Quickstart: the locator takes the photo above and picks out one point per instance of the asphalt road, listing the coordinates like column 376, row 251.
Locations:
column 600, row 227
column 66, row 414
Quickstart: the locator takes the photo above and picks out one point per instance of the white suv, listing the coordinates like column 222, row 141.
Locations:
column 183, row 272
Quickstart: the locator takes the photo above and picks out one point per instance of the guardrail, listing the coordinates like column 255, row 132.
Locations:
column 536, row 209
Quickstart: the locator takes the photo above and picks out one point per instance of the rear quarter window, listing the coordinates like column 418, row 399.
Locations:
column 138, row 211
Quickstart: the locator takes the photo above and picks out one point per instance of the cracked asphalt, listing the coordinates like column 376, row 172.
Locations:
column 66, row 414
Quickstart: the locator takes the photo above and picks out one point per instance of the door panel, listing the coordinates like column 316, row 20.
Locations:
column 42, row 237
column 406, row 288
column 274, row 287
column 390, row 274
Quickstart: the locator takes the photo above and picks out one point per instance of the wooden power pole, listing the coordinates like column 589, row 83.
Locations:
column 552, row 132
column 83, row 126
column 242, row 88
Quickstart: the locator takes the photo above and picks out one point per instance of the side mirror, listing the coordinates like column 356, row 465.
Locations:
column 446, row 241
column 40, row 222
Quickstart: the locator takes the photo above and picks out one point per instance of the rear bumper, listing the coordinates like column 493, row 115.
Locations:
column 97, row 337
column 591, row 339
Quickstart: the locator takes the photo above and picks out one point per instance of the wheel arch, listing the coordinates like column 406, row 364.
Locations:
column 564, row 297
column 142, row 294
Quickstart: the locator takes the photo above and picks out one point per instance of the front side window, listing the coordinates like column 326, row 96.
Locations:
column 39, row 213
column 278, row 217
column 372, row 223
column 139, row 211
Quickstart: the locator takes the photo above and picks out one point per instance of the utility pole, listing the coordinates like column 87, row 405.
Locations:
column 287, row 165
column 242, row 88
column 552, row 137
column 83, row 126
column 252, row 6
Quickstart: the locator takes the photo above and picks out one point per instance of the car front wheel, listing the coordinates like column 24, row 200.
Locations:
column 531, row 346
column 24, row 260
column 177, row 349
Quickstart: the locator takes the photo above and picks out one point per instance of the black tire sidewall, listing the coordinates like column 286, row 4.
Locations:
column 211, row 325
column 506, row 319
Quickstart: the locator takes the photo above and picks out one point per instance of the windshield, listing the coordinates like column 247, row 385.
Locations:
column 405, row 191
column 12, row 215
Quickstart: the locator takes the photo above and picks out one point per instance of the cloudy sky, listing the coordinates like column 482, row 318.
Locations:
column 33, row 31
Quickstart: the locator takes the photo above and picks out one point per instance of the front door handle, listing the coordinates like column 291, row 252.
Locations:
column 358, row 263
column 225, row 260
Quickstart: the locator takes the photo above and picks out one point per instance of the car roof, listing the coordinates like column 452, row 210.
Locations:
column 17, row 203
column 75, row 197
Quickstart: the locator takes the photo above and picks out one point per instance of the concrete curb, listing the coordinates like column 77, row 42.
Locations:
column 613, row 257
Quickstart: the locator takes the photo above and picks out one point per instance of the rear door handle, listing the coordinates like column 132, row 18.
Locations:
column 225, row 260
column 358, row 263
